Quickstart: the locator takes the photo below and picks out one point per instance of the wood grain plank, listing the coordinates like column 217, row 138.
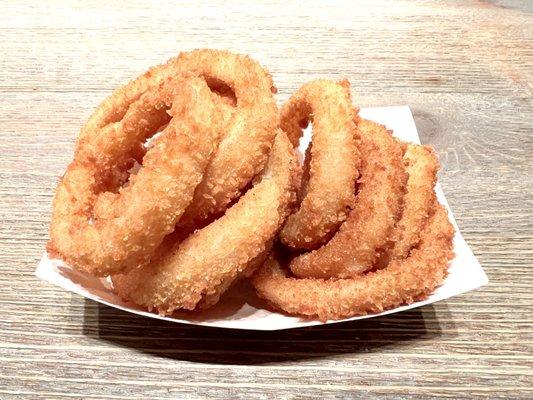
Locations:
column 464, row 67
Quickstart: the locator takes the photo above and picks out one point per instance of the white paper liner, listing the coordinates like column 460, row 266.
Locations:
column 240, row 309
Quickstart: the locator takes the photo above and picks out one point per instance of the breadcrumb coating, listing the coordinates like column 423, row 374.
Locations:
column 422, row 166
column 401, row 282
column 250, row 132
column 368, row 227
column 160, row 192
column 198, row 269
column 333, row 168
column 102, row 227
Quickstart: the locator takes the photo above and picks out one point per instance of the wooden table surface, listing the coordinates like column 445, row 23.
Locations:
column 465, row 68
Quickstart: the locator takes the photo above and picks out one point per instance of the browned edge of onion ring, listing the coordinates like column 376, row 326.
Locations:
column 203, row 265
column 354, row 248
column 422, row 166
column 402, row 282
column 333, row 168
column 158, row 194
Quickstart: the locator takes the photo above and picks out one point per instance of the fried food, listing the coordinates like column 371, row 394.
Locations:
column 113, row 139
column 327, row 196
column 202, row 266
column 186, row 178
column 244, row 149
column 246, row 89
column 159, row 193
column 401, row 282
column 422, row 166
column 355, row 247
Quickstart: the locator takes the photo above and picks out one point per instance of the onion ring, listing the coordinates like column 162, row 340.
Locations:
column 355, row 247
column 159, row 193
column 153, row 198
column 328, row 195
column 251, row 129
column 244, row 149
column 422, row 166
column 401, row 282
column 201, row 267
column 106, row 141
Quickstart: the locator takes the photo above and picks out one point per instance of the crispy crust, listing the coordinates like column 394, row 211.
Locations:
column 112, row 139
column 158, row 195
column 327, row 196
column 250, row 133
column 169, row 234
column 401, row 282
column 199, row 269
column 250, row 124
column 422, row 166
column 355, row 247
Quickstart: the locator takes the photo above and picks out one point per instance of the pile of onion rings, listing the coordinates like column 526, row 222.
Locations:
column 187, row 179
column 392, row 245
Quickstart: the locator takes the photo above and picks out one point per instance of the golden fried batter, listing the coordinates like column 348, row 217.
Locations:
column 354, row 248
column 202, row 266
column 422, row 167
column 158, row 195
column 333, row 167
column 401, row 282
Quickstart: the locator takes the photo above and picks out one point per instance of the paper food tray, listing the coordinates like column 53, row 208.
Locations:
column 240, row 309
